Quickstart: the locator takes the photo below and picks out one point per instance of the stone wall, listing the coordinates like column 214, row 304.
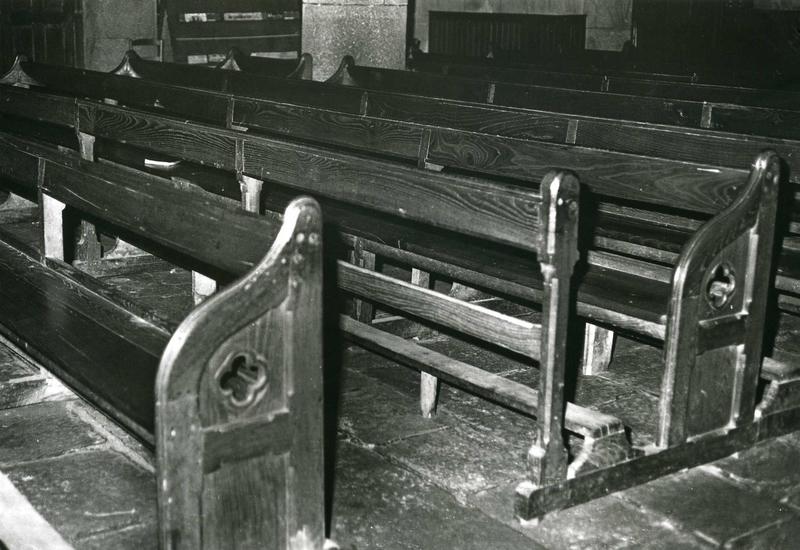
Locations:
column 608, row 22
column 372, row 31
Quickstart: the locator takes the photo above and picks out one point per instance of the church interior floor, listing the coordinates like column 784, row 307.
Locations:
column 399, row 480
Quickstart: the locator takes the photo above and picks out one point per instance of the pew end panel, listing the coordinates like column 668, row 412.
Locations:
column 713, row 347
column 239, row 406
column 233, row 60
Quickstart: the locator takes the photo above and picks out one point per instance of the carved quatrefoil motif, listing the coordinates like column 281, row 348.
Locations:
column 721, row 286
column 242, row 379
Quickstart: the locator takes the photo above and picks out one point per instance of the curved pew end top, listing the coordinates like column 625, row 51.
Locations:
column 125, row 67
column 16, row 75
column 232, row 60
column 239, row 404
column 342, row 74
column 237, row 60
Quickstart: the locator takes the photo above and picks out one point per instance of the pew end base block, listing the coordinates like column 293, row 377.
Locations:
column 239, row 405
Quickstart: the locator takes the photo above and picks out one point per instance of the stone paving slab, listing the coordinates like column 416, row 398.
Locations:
column 88, row 493
column 461, row 461
column 376, row 414
column 380, row 505
column 772, row 469
column 711, row 507
column 607, row 522
column 781, row 534
column 41, row 431
column 135, row 537
column 636, row 365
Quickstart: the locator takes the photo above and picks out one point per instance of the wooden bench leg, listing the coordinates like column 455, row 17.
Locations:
column 88, row 246
column 52, row 214
column 598, row 345
column 428, row 384
column 363, row 311
column 202, row 287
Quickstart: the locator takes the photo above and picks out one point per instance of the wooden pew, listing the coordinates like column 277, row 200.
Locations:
column 507, row 157
column 199, row 391
column 488, row 139
column 237, row 60
column 641, row 84
column 755, row 120
column 442, row 64
column 691, row 309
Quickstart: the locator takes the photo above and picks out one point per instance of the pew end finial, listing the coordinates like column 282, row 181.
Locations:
column 126, row 66
column 304, row 69
column 16, row 75
column 342, row 74
column 232, row 61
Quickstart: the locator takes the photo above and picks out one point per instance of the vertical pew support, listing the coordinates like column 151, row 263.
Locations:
column 598, row 347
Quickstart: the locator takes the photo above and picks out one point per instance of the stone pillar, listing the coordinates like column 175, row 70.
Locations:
column 372, row 31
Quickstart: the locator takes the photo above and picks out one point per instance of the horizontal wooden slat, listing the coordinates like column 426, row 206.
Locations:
column 487, row 385
column 218, row 233
column 502, row 213
column 631, row 177
column 485, row 324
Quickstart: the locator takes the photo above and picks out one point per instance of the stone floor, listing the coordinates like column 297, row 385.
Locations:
column 402, row 481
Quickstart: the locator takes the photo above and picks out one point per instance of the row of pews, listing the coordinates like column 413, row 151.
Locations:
column 626, row 214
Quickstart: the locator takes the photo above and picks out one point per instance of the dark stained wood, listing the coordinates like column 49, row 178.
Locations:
column 625, row 292
column 499, row 212
column 237, row 60
column 776, row 121
column 603, row 80
column 493, row 327
column 268, row 322
column 496, row 388
column 708, row 389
